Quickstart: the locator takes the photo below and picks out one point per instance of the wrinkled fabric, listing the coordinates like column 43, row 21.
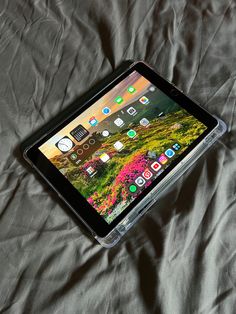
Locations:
column 181, row 257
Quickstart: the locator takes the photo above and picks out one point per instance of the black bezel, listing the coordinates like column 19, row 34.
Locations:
column 64, row 188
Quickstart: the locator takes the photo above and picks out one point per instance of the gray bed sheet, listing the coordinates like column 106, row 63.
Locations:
column 181, row 257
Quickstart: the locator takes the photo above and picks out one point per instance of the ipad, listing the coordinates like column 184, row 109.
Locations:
column 114, row 149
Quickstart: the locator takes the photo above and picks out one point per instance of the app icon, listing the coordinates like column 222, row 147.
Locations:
column 176, row 146
column 155, row 166
column 132, row 188
column 131, row 89
column 105, row 133
column 93, row 121
column 119, row 100
column 79, row 133
column 132, row 111
column 106, row 110
column 131, row 133
column 147, row 174
column 119, row 122
column 144, row 122
column 65, row 144
column 91, row 171
column 169, row 153
column 152, row 88
column 140, row 181
column 144, row 100
column 104, row 157
column 118, row 145
column 163, row 159
column 73, row 156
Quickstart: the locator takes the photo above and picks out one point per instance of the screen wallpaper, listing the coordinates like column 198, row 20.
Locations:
column 116, row 148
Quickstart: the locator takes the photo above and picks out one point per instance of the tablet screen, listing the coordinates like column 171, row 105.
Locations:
column 118, row 146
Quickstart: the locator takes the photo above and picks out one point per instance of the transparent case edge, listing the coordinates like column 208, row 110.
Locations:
column 132, row 217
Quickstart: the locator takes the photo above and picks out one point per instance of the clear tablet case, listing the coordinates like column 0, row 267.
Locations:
column 115, row 235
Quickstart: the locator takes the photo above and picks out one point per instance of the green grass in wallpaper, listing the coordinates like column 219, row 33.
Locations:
column 107, row 190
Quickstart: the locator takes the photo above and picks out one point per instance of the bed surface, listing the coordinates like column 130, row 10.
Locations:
column 181, row 257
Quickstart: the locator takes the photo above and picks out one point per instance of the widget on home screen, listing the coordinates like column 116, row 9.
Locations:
column 65, row 144
column 79, row 133
column 80, row 153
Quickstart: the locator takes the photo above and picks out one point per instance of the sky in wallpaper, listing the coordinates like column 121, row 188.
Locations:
column 135, row 79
